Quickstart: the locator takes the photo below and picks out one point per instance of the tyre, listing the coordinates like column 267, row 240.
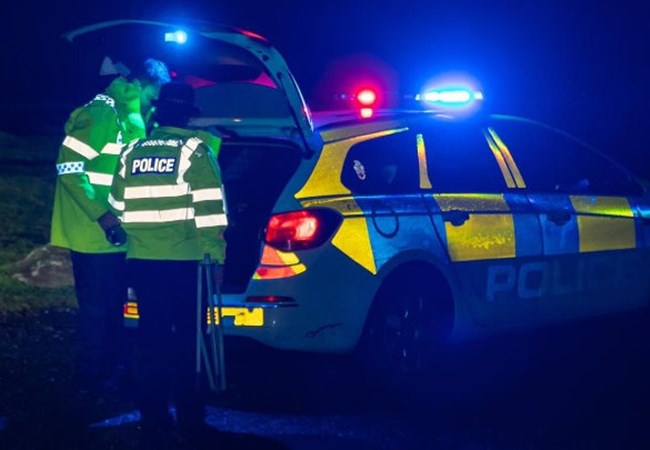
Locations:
column 408, row 323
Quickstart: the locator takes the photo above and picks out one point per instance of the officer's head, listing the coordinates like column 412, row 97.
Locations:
column 175, row 105
column 151, row 75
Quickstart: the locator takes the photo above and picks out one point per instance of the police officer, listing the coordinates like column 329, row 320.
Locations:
column 167, row 194
column 81, row 216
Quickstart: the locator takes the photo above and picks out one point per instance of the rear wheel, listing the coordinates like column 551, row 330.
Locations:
column 408, row 323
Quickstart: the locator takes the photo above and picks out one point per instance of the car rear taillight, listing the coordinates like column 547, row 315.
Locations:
column 300, row 230
column 271, row 299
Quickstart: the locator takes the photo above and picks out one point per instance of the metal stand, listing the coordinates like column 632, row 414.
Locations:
column 214, row 361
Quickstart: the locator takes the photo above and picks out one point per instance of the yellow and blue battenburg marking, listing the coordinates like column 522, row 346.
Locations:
column 324, row 180
column 604, row 223
column 642, row 212
column 391, row 224
column 471, row 227
column 558, row 223
column 353, row 237
column 484, row 228
column 528, row 239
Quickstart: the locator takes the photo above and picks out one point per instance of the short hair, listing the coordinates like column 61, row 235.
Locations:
column 152, row 71
column 169, row 117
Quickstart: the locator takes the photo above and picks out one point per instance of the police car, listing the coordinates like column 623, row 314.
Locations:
column 392, row 232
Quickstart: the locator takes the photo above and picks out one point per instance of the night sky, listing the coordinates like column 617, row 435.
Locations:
column 581, row 65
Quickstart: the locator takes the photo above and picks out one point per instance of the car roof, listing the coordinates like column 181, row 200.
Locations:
column 348, row 123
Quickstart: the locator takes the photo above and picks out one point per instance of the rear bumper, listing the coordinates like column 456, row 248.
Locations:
column 285, row 327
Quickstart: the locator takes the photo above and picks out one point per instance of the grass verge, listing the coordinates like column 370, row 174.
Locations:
column 27, row 179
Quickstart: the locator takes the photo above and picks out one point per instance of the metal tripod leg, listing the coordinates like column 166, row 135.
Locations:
column 221, row 361
column 199, row 341
column 201, row 354
column 216, row 331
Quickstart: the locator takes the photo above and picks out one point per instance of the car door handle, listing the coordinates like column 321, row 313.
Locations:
column 559, row 217
column 455, row 217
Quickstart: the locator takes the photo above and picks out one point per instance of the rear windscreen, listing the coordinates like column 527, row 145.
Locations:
column 200, row 61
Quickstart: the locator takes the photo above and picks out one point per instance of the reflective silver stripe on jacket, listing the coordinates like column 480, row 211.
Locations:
column 153, row 216
column 112, row 148
column 167, row 190
column 223, row 195
column 85, row 150
column 100, row 179
column 70, row 167
column 202, row 195
column 116, row 203
column 186, row 152
column 123, row 157
column 213, row 220
column 80, row 147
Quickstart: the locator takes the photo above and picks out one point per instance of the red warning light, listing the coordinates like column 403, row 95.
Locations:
column 366, row 97
column 366, row 113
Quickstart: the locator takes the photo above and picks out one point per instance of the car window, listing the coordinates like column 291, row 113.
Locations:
column 459, row 159
column 242, row 100
column 553, row 161
column 385, row 165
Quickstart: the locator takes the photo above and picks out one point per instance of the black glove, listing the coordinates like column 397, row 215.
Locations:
column 116, row 235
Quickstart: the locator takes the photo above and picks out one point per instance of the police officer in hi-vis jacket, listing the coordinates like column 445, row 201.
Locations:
column 95, row 134
column 168, row 197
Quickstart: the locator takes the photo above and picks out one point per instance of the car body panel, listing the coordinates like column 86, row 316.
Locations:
column 517, row 224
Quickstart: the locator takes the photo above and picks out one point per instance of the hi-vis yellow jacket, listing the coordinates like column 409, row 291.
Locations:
column 167, row 193
column 87, row 159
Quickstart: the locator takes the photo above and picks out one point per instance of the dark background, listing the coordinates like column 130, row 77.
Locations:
column 580, row 65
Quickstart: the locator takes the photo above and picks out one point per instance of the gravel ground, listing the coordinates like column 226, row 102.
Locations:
column 38, row 399
column 575, row 388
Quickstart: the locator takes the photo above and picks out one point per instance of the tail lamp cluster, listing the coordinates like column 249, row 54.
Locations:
column 301, row 230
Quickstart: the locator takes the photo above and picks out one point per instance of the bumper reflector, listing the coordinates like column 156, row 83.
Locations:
column 131, row 310
column 243, row 317
column 272, row 273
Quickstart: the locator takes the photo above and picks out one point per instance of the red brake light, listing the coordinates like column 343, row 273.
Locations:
column 299, row 230
column 366, row 97
column 270, row 299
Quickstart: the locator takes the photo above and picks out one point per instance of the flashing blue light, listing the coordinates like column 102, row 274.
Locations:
column 180, row 37
column 451, row 97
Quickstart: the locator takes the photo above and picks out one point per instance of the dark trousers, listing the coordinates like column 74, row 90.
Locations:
column 166, row 293
column 101, row 289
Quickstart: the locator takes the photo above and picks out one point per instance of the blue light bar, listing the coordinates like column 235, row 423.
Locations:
column 179, row 37
column 450, row 96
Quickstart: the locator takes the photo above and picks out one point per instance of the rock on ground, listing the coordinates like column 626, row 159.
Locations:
column 45, row 266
